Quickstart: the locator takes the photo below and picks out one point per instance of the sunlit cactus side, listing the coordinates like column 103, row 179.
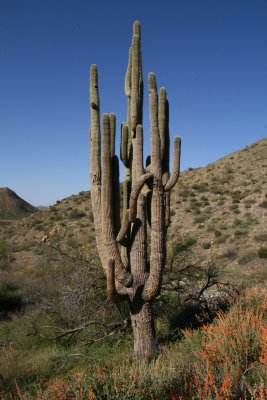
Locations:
column 122, row 241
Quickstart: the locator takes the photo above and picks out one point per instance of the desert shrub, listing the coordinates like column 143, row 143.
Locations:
column 218, row 190
column 231, row 353
column 262, row 252
column 200, row 187
column 211, row 228
column 263, row 204
column 199, row 219
column 248, row 202
column 224, row 227
column 261, row 237
column 220, row 202
column 223, row 360
column 204, row 198
column 234, row 208
column 190, row 241
column 258, row 189
column 217, row 233
column 4, row 254
column 195, row 206
column 237, row 194
column 236, row 201
column 39, row 227
column 221, row 239
column 76, row 214
column 247, row 256
column 240, row 232
column 229, row 253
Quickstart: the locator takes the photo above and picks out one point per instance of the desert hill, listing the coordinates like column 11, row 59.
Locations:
column 219, row 215
column 13, row 206
column 223, row 208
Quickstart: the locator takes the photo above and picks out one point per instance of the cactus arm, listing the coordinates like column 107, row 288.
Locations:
column 175, row 164
column 124, row 145
column 167, row 208
column 112, row 122
column 163, row 122
column 135, row 77
column 95, row 153
column 112, row 293
column 158, row 251
column 115, row 291
column 138, row 151
column 138, row 158
column 148, row 168
column 108, row 236
column 126, row 195
column 115, row 174
column 95, row 158
column 115, row 179
column 124, row 228
column 165, row 147
column 135, row 193
column 154, row 128
column 128, row 79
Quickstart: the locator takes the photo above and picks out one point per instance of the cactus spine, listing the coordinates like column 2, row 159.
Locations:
column 132, row 274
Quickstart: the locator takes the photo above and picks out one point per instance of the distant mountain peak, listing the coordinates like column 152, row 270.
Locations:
column 12, row 206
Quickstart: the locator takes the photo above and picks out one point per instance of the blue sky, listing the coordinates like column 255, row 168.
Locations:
column 210, row 55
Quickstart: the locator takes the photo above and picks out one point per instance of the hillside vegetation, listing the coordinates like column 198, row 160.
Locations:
column 56, row 321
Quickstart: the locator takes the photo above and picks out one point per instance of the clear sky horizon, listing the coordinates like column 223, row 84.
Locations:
column 211, row 55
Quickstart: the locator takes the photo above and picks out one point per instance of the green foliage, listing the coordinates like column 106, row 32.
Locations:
column 225, row 359
column 76, row 214
column 5, row 255
column 240, row 232
column 201, row 187
column 262, row 252
column 199, row 219
column 190, row 241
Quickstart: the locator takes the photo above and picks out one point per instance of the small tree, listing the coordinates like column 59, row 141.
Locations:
column 123, row 247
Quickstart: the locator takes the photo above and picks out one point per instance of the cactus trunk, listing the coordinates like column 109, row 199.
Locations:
column 133, row 274
column 142, row 319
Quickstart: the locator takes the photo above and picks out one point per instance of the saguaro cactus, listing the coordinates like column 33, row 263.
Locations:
column 132, row 274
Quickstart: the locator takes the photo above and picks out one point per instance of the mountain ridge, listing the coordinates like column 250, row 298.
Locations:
column 13, row 206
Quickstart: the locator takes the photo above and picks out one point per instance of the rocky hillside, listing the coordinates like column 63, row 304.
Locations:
column 222, row 209
column 13, row 206
column 219, row 216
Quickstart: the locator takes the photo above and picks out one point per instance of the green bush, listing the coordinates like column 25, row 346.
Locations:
column 190, row 241
column 208, row 363
column 200, row 187
column 76, row 214
column 199, row 219
column 262, row 252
